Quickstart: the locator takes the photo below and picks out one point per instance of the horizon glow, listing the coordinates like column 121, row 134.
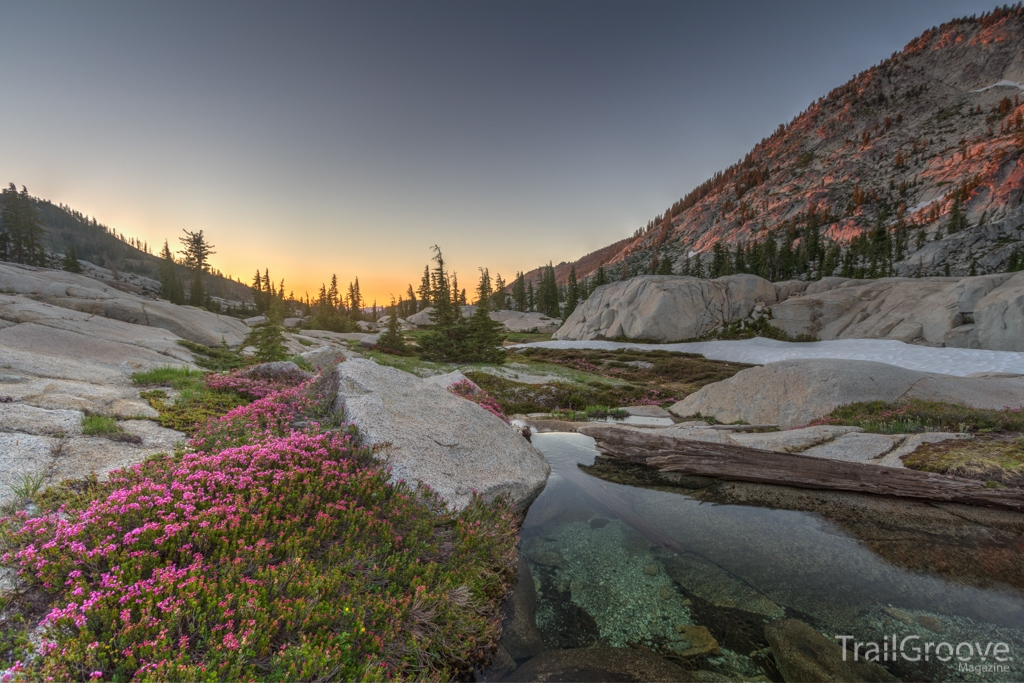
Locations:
column 323, row 138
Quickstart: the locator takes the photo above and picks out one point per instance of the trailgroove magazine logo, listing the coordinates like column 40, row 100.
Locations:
column 974, row 657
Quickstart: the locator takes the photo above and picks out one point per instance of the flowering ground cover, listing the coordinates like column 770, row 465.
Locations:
column 273, row 548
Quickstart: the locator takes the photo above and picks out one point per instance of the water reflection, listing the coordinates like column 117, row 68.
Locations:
column 692, row 570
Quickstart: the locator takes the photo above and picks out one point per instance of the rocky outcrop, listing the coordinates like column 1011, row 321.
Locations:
column 999, row 317
column 936, row 311
column 796, row 392
column 666, row 308
column 431, row 437
column 529, row 321
column 514, row 321
column 424, row 317
column 57, row 364
column 86, row 295
column 986, row 311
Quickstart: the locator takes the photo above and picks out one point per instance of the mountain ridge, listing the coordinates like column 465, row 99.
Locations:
column 928, row 143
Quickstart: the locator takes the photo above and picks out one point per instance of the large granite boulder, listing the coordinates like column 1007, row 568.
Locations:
column 424, row 318
column 666, row 308
column 795, row 392
column 84, row 294
column 514, row 321
column 999, row 317
column 938, row 310
column 429, row 436
column 529, row 321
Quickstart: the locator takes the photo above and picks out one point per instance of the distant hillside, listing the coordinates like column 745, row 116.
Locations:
column 916, row 164
column 98, row 244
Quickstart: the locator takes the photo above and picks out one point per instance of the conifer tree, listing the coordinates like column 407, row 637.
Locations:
column 268, row 337
column 484, row 289
column 484, row 336
column 411, row 306
column 391, row 340
column 600, row 278
column 170, row 284
column 196, row 255
column 572, row 293
column 547, row 292
column 666, row 265
column 70, row 261
column 21, row 236
column 425, row 289
column 446, row 340
column 499, row 300
column 531, row 300
column 698, row 268
column 519, row 301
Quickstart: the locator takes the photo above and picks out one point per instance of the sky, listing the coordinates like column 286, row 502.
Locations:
column 347, row 138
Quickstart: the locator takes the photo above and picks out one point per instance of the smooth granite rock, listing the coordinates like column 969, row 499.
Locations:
column 429, row 436
column 666, row 308
column 80, row 293
column 795, row 392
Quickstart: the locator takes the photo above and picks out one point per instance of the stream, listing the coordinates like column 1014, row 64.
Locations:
column 623, row 557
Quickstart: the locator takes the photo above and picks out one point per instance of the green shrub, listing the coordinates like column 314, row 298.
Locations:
column 919, row 416
column 519, row 397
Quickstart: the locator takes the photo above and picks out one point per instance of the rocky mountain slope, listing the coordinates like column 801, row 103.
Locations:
column 116, row 255
column 924, row 150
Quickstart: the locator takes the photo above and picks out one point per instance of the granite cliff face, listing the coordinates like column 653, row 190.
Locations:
column 979, row 312
column 928, row 144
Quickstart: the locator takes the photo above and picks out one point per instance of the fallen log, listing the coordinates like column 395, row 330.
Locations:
column 740, row 463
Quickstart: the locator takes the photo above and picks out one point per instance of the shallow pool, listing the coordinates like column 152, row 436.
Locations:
column 621, row 557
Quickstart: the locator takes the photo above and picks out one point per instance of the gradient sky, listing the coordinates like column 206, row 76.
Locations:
column 319, row 138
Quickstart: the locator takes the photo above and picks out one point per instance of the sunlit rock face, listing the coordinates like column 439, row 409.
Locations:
column 901, row 141
column 666, row 308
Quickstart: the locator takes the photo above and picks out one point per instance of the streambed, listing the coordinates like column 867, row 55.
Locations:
column 621, row 557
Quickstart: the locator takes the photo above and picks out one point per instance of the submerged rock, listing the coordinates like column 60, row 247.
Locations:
column 520, row 636
column 697, row 640
column 802, row 654
column 599, row 664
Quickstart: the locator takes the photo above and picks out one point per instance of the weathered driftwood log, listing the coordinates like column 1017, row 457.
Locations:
column 739, row 463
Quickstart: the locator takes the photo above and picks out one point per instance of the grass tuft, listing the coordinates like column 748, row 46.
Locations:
column 165, row 375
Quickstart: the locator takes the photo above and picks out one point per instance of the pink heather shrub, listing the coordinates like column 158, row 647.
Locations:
column 251, row 387
column 267, row 553
column 470, row 391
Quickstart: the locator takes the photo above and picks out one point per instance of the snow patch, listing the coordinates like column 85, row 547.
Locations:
column 759, row 351
column 1002, row 84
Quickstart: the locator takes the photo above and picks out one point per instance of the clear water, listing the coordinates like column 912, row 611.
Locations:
column 633, row 564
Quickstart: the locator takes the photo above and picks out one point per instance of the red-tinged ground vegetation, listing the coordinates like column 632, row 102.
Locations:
column 273, row 548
